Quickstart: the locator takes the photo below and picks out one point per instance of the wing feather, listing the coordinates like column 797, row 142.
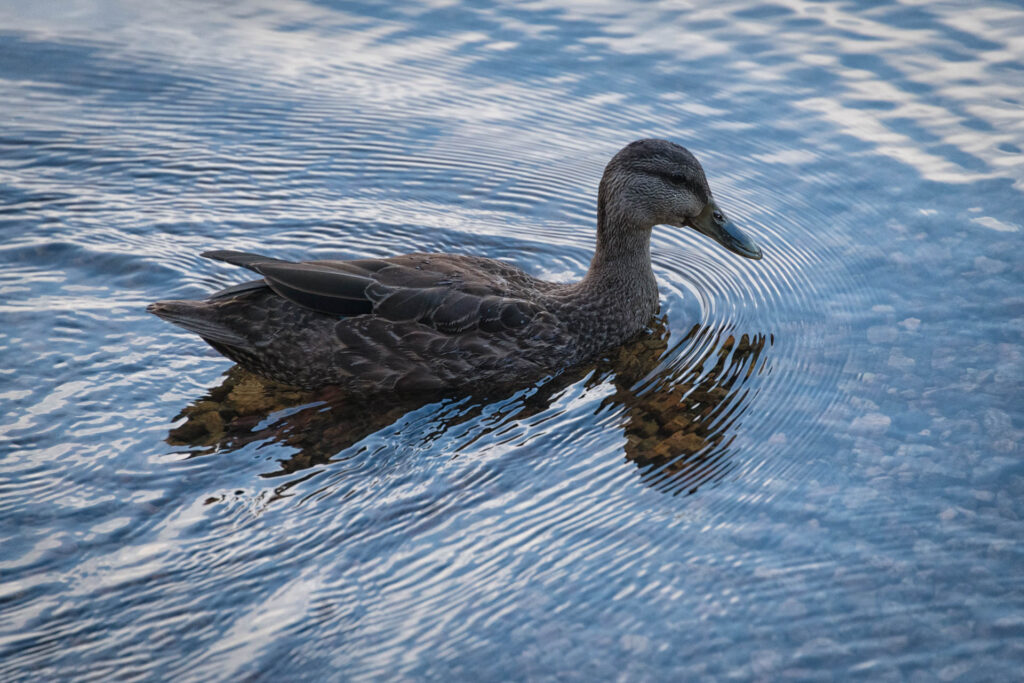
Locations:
column 412, row 288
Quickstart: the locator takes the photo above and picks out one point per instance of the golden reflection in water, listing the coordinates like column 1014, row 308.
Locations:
column 679, row 419
column 678, row 413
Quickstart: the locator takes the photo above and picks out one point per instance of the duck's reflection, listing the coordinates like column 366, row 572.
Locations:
column 680, row 418
column 679, row 408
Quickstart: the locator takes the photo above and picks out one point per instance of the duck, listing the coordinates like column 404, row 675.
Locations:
column 432, row 322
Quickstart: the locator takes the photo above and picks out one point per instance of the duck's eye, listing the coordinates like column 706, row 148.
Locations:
column 677, row 178
column 718, row 215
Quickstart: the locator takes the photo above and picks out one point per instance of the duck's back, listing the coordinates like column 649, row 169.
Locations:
column 418, row 322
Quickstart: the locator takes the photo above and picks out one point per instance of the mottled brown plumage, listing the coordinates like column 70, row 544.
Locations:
column 437, row 322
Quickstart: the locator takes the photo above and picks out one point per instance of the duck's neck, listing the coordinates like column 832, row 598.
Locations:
column 621, row 270
column 623, row 246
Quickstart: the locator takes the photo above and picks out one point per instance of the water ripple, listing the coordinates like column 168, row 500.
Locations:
column 717, row 498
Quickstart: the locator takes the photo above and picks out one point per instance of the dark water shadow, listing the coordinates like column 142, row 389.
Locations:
column 679, row 408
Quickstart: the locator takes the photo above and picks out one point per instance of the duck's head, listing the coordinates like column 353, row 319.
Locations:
column 657, row 182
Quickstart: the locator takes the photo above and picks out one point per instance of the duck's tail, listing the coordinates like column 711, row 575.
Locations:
column 199, row 317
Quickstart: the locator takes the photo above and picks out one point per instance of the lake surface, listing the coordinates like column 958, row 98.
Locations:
column 811, row 467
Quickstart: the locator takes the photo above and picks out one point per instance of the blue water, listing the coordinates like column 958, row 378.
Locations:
column 810, row 468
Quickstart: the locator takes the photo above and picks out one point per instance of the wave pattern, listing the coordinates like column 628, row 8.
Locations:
column 791, row 472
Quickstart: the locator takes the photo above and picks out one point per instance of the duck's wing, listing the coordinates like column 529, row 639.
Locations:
column 450, row 294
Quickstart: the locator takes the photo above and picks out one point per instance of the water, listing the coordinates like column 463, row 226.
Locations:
column 811, row 466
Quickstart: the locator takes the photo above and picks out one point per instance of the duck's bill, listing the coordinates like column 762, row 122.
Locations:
column 725, row 232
